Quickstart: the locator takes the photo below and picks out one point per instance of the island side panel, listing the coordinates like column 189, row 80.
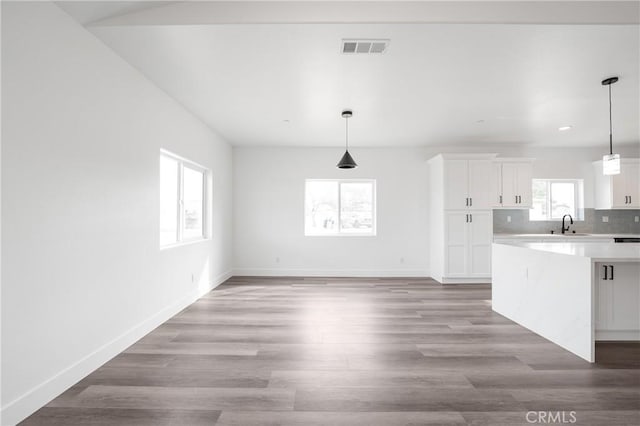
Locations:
column 548, row 293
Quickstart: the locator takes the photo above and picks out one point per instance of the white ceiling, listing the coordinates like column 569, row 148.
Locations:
column 245, row 68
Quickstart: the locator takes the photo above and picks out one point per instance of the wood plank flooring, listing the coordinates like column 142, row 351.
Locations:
column 347, row 351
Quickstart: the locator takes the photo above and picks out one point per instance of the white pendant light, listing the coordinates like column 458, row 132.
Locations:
column 611, row 161
column 347, row 162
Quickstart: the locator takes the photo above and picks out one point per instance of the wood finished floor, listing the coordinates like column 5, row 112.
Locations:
column 337, row 351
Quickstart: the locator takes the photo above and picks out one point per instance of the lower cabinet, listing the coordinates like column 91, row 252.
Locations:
column 468, row 238
column 617, row 301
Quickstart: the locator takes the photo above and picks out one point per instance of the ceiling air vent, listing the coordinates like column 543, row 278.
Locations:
column 364, row 46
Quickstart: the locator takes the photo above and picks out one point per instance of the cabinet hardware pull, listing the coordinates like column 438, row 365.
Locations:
column 501, row 199
column 605, row 272
column 471, row 201
column 466, row 202
column 611, row 266
column 470, row 218
column 516, row 199
column 466, row 218
column 626, row 199
column 629, row 199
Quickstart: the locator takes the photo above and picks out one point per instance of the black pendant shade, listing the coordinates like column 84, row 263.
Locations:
column 347, row 161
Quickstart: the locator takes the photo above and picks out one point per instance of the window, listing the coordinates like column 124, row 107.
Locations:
column 553, row 198
column 183, row 188
column 340, row 207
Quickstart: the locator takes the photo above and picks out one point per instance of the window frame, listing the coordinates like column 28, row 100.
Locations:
column 182, row 163
column 339, row 232
column 578, row 198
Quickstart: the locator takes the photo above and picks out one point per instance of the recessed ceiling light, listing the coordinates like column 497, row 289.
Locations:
column 564, row 128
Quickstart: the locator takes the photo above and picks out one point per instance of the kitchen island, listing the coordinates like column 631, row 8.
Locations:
column 571, row 293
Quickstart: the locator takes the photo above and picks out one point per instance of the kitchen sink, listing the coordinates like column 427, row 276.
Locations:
column 577, row 234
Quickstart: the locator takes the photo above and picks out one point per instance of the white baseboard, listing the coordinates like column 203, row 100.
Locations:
column 25, row 405
column 264, row 272
column 621, row 335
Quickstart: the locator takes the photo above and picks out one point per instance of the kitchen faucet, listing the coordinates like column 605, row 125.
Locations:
column 567, row 228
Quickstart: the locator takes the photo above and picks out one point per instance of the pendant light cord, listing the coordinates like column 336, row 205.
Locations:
column 346, row 119
column 610, row 125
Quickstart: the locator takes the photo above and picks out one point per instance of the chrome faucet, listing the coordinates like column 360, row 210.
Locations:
column 567, row 228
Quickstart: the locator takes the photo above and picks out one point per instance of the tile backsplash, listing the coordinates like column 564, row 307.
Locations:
column 620, row 222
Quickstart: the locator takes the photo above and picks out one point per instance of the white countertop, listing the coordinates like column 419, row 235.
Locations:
column 607, row 252
column 567, row 235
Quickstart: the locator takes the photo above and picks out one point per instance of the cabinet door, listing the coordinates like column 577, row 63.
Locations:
column 479, row 178
column 496, row 185
column 480, row 236
column 618, row 298
column 631, row 173
column 456, row 190
column 509, row 184
column 603, row 298
column 619, row 189
column 524, row 177
column 456, row 243
column 625, row 296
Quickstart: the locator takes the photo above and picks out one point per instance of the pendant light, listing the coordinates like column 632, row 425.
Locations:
column 347, row 162
column 610, row 162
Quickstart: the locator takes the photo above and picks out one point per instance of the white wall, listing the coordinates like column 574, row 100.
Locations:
column 269, row 206
column 82, row 274
column 269, row 213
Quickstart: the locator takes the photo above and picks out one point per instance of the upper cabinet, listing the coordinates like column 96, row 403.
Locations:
column 511, row 180
column 465, row 183
column 620, row 191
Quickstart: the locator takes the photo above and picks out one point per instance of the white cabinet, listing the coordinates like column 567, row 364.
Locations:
column 496, row 184
column 617, row 295
column 479, row 238
column 461, row 222
column 468, row 244
column 621, row 191
column 511, row 181
column 456, row 243
column 466, row 185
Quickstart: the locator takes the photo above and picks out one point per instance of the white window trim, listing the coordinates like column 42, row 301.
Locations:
column 182, row 163
column 339, row 233
column 578, row 198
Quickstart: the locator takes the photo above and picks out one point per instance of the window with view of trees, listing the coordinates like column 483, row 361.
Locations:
column 340, row 207
column 182, row 200
column 553, row 198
